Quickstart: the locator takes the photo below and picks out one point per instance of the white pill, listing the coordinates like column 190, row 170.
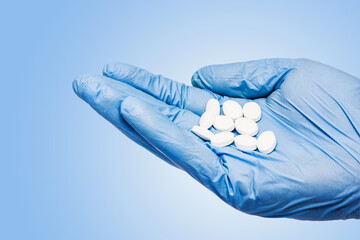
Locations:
column 202, row 132
column 213, row 107
column 245, row 142
column 222, row 139
column 232, row 109
column 252, row 110
column 266, row 142
column 246, row 126
column 223, row 123
column 207, row 120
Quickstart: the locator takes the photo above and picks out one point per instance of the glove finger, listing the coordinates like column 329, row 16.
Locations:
column 179, row 145
column 105, row 95
column 87, row 87
column 253, row 79
column 164, row 89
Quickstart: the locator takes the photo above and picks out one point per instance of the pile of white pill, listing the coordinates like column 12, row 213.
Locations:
column 242, row 119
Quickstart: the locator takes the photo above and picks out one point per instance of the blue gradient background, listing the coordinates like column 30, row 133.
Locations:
column 66, row 173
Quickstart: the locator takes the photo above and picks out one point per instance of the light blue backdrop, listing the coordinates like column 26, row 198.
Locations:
column 66, row 173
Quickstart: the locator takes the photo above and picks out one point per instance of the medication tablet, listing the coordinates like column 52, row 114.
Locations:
column 223, row 123
column 232, row 109
column 222, row 139
column 213, row 106
column 202, row 132
column 266, row 142
column 252, row 110
column 245, row 142
column 246, row 126
column 207, row 120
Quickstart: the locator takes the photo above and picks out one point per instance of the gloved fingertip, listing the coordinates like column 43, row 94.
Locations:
column 88, row 86
column 198, row 80
column 119, row 71
column 75, row 86
column 133, row 109
column 78, row 82
column 195, row 79
column 108, row 69
column 127, row 106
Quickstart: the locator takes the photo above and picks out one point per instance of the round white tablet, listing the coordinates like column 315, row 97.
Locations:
column 222, row 139
column 252, row 110
column 266, row 142
column 207, row 120
column 246, row 126
column 213, row 106
column 202, row 132
column 232, row 109
column 245, row 142
column 223, row 123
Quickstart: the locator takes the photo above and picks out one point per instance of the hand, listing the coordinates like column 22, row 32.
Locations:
column 314, row 110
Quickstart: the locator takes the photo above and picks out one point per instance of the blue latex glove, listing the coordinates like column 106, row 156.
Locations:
column 313, row 109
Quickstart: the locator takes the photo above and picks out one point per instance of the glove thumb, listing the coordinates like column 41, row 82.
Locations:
column 253, row 79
